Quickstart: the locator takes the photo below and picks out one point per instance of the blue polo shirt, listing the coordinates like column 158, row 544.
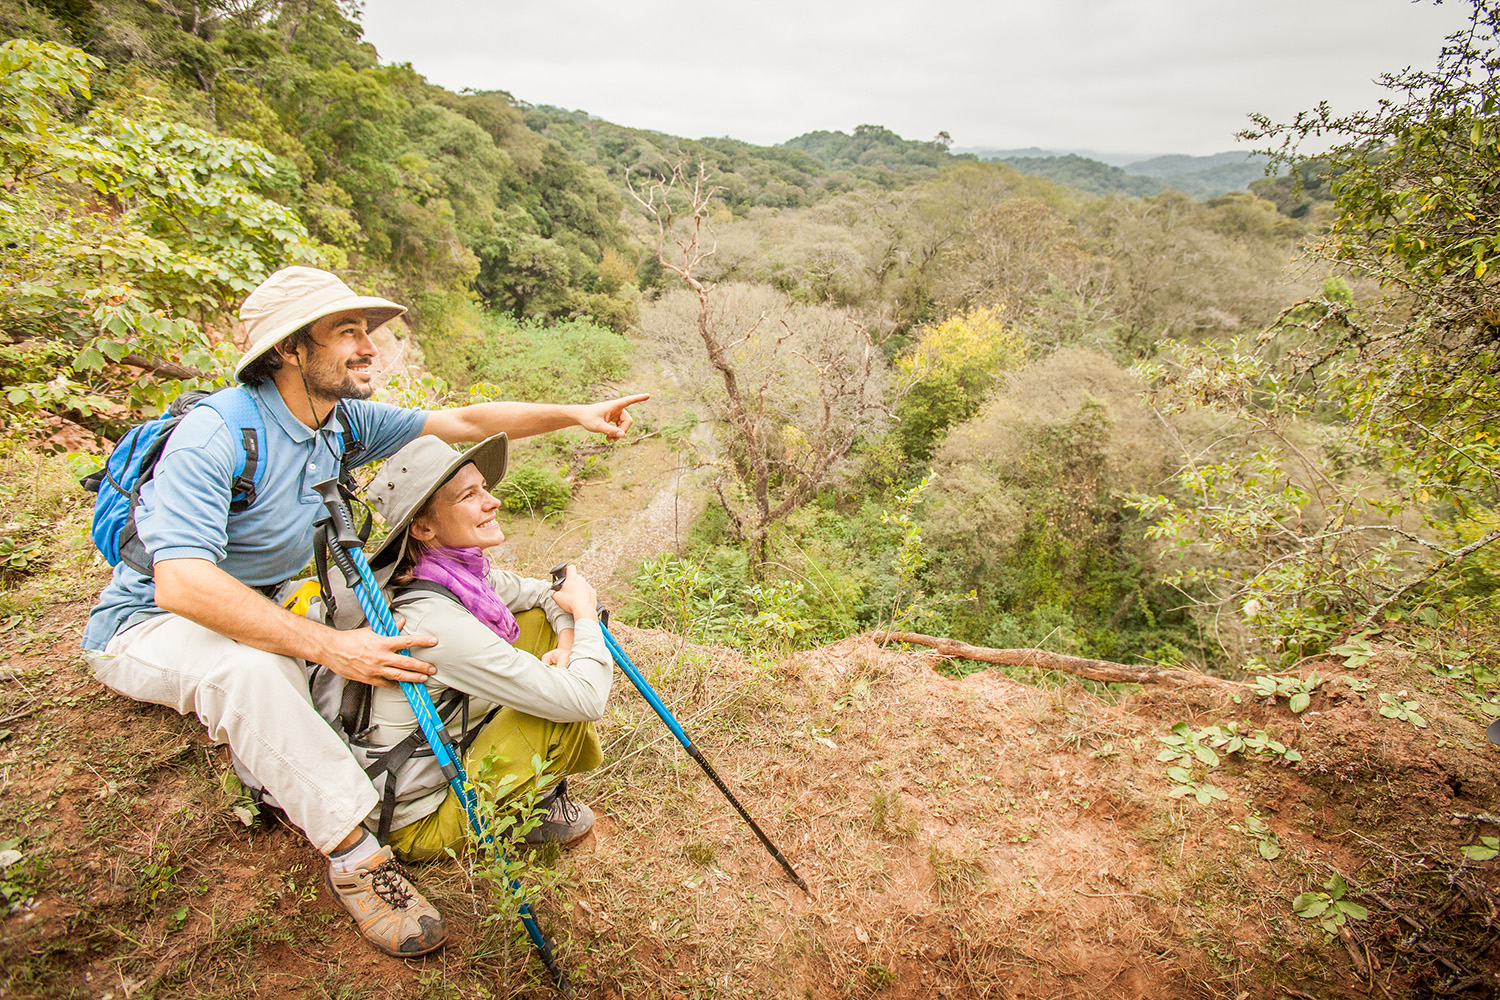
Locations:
column 184, row 508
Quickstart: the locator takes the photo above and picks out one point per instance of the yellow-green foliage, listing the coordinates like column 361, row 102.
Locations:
column 954, row 365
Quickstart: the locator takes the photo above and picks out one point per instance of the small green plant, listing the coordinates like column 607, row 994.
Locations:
column 501, row 866
column 1184, row 747
column 535, row 489
column 1330, row 909
column 1487, row 848
column 1231, row 740
column 678, row 594
column 778, row 616
column 1266, row 841
column 1296, row 691
column 18, row 557
column 958, row 874
column 241, row 804
column 19, row 876
column 1356, row 650
column 157, row 875
column 877, row 977
column 1394, row 707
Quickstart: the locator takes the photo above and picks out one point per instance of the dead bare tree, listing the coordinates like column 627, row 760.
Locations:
column 781, row 450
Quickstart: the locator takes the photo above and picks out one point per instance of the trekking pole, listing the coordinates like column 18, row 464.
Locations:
column 348, row 554
column 559, row 575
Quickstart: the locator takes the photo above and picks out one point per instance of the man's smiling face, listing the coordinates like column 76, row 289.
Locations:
column 341, row 364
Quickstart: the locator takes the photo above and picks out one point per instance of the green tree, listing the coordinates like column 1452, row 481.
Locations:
column 1370, row 426
column 952, row 368
column 123, row 237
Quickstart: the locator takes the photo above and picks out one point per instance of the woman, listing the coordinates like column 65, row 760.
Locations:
column 531, row 661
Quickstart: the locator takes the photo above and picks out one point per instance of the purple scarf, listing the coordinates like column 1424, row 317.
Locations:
column 464, row 571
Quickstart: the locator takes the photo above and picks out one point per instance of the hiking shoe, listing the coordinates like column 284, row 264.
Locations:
column 566, row 821
column 390, row 912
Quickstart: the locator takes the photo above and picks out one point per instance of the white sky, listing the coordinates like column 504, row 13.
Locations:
column 1121, row 76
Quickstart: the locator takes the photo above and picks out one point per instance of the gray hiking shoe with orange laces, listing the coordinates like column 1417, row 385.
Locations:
column 566, row 821
column 390, row 912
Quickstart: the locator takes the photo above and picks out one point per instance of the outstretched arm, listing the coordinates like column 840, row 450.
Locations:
column 481, row 420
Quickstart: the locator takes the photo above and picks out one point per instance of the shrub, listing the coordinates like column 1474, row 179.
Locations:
column 530, row 362
column 539, row 490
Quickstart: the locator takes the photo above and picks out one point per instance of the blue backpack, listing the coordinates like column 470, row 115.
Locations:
column 133, row 460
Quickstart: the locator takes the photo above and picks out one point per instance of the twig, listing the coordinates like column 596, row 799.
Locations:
column 17, row 715
column 1490, row 818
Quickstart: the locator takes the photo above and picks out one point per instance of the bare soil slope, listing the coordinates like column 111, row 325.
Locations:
column 962, row 838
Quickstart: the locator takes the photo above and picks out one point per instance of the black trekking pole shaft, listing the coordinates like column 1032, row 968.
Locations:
column 652, row 699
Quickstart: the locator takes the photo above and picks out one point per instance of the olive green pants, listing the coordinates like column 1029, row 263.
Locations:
column 515, row 742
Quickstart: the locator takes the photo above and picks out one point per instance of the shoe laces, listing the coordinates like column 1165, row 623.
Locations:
column 562, row 808
column 392, row 884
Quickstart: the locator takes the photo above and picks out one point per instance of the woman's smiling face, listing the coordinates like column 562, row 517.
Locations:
column 460, row 515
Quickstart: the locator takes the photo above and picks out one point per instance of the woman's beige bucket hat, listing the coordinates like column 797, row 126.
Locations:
column 295, row 296
column 416, row 472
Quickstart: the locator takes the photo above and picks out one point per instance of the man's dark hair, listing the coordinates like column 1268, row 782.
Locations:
column 262, row 368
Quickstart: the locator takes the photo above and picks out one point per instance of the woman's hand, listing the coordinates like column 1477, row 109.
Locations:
column 560, row 656
column 577, row 596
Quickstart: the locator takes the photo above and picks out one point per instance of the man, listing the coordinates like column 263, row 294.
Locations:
column 199, row 633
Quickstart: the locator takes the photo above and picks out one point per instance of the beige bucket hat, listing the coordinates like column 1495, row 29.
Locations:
column 416, row 472
column 295, row 296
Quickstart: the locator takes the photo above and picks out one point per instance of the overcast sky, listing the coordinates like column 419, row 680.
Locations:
column 1116, row 76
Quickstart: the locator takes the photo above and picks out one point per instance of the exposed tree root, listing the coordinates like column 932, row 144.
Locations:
column 1094, row 670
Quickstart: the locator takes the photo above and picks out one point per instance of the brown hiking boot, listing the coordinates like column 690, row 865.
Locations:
column 390, row 912
column 566, row 822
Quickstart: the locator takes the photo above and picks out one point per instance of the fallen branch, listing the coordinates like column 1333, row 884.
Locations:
column 1094, row 670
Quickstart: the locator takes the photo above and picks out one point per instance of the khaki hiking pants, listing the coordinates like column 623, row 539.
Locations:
column 257, row 702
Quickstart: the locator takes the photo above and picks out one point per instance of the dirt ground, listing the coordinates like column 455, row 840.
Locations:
column 973, row 837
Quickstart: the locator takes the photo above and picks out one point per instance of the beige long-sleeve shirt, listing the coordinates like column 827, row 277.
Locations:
column 474, row 660
column 469, row 657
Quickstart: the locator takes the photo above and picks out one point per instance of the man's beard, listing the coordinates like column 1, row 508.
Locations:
column 329, row 383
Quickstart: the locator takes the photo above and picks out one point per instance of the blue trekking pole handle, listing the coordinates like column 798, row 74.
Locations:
column 559, row 575
column 347, row 550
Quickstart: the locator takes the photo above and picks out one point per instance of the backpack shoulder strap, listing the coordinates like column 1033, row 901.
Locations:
column 413, row 591
column 237, row 409
column 240, row 414
column 354, row 448
column 389, row 762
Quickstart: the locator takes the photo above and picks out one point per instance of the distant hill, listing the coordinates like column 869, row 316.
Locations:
column 1176, row 164
column 1034, row 152
column 1200, row 177
column 816, row 165
column 874, row 146
column 799, row 172
column 1084, row 174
